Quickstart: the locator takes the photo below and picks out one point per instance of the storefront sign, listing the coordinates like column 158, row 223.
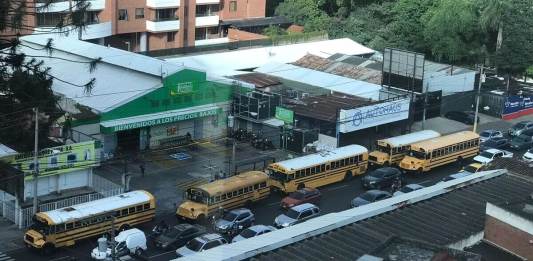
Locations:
column 57, row 160
column 516, row 106
column 181, row 88
column 180, row 117
column 285, row 115
column 374, row 115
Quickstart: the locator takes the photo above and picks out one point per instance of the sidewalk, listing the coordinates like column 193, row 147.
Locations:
column 11, row 236
column 447, row 126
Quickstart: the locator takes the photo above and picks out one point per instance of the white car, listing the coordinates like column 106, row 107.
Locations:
column 200, row 244
column 253, row 231
column 490, row 134
column 528, row 156
column 489, row 155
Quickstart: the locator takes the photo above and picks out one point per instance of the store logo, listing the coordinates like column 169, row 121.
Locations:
column 373, row 112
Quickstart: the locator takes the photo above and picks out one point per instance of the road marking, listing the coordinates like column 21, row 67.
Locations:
column 154, row 256
column 4, row 257
column 335, row 188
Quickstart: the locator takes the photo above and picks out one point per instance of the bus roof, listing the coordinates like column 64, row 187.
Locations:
column 321, row 157
column 232, row 183
column 95, row 207
column 429, row 145
column 411, row 138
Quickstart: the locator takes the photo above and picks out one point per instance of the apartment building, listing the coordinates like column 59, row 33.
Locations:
column 146, row 25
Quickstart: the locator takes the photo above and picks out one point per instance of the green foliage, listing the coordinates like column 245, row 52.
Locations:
column 273, row 31
column 306, row 13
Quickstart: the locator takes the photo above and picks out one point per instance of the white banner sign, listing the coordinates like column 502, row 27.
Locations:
column 373, row 115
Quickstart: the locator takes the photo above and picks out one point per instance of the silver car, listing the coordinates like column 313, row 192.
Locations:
column 201, row 243
column 296, row 215
column 490, row 134
column 235, row 219
column 253, row 231
column 520, row 127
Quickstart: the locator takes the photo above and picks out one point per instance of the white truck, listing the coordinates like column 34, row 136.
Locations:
column 127, row 242
column 489, row 155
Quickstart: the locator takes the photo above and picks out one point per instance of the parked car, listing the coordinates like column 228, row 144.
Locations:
column 528, row 156
column 178, row 235
column 490, row 134
column 369, row 197
column 305, row 195
column 522, row 141
column 235, row 219
column 489, row 155
column 520, row 127
column 456, row 176
column 473, row 168
column 495, row 143
column 201, row 243
column 131, row 241
column 296, row 215
column 461, row 116
column 381, row 178
column 408, row 188
column 252, row 232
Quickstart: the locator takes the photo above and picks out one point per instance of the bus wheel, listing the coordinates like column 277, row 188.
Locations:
column 301, row 186
column 201, row 219
column 48, row 249
column 348, row 176
column 420, row 171
column 460, row 161
column 124, row 227
column 386, row 164
column 139, row 251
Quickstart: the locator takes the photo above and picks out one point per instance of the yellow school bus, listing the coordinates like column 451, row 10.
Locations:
column 239, row 190
column 319, row 169
column 63, row 227
column 391, row 151
column 429, row 154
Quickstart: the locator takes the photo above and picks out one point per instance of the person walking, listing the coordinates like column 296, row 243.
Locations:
column 141, row 167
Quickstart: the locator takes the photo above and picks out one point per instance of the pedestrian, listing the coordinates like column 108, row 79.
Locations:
column 141, row 166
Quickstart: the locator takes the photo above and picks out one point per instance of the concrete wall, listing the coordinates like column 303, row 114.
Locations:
column 57, row 183
column 449, row 84
column 132, row 24
column 245, row 9
column 238, row 35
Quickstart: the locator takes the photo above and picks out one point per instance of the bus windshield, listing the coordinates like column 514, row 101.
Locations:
column 40, row 226
column 417, row 154
column 196, row 196
column 383, row 149
column 276, row 175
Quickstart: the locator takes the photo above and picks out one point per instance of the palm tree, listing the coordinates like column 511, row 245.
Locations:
column 492, row 18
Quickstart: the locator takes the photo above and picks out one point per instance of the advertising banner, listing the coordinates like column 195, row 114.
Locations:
column 285, row 115
column 516, row 106
column 373, row 115
column 60, row 159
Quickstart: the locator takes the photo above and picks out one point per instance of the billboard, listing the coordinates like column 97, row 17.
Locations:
column 403, row 69
column 60, row 159
column 285, row 115
column 516, row 106
column 373, row 115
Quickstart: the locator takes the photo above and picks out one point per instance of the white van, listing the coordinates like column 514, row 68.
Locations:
column 131, row 241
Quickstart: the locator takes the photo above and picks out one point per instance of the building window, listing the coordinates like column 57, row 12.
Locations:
column 166, row 14
column 123, row 14
column 139, row 13
column 200, row 34
column 48, row 19
column 171, row 36
column 233, row 6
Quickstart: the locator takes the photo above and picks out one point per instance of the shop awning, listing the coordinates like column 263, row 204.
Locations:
column 159, row 118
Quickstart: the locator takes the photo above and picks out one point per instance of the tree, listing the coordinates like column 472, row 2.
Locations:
column 306, row 13
column 406, row 29
column 25, row 82
column 491, row 18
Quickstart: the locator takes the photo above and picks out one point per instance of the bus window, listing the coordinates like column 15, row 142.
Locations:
column 139, row 208
column 124, row 212
column 131, row 210
column 323, row 167
column 223, row 197
column 146, row 206
column 307, row 172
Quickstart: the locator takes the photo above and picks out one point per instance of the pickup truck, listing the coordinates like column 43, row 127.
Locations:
column 489, row 155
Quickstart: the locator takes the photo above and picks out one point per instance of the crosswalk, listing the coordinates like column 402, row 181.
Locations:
column 189, row 183
column 4, row 257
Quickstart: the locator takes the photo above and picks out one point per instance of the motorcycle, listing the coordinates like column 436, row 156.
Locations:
column 159, row 229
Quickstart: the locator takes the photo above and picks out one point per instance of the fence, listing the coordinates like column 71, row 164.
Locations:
column 23, row 216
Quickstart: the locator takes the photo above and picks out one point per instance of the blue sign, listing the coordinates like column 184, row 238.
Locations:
column 516, row 106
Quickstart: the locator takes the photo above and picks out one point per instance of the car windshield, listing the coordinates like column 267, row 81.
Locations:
column 520, row 139
column 485, row 134
column 173, row 233
column 417, row 154
column 377, row 174
column 248, row 233
column 486, row 154
column 367, row 196
column 519, row 126
column 194, row 245
column 406, row 189
column 490, row 143
column 297, row 195
column 230, row 216
column 470, row 169
column 292, row 213
column 530, row 150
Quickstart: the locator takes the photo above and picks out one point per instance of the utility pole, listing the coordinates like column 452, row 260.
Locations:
column 36, row 161
column 232, row 170
column 481, row 80
column 113, row 242
column 425, row 107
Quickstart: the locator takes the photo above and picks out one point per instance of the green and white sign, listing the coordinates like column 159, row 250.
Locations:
column 285, row 115
column 164, row 120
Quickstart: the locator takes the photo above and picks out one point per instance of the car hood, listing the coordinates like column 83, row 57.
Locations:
column 481, row 159
column 289, row 201
column 398, row 193
column 357, row 202
column 164, row 239
column 283, row 220
column 222, row 223
column 184, row 251
column 369, row 179
column 528, row 155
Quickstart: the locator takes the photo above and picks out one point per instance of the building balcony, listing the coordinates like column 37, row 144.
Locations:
column 211, row 41
column 162, row 3
column 163, row 25
column 204, row 21
column 207, row 2
column 63, row 6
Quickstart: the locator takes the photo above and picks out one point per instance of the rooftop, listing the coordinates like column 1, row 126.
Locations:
column 253, row 22
column 324, row 107
column 6, row 151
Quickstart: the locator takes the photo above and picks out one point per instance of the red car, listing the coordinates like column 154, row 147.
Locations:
column 305, row 195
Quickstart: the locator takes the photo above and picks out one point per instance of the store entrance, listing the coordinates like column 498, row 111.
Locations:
column 128, row 140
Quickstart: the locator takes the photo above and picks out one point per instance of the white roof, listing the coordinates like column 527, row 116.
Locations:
column 229, row 63
column 319, row 158
column 99, row 206
column 6, row 151
column 412, row 138
column 322, row 79
column 124, row 234
column 120, row 77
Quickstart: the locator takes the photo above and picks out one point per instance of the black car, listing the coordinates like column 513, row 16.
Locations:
column 369, row 197
column 177, row 236
column 495, row 143
column 381, row 178
column 522, row 141
column 461, row 116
